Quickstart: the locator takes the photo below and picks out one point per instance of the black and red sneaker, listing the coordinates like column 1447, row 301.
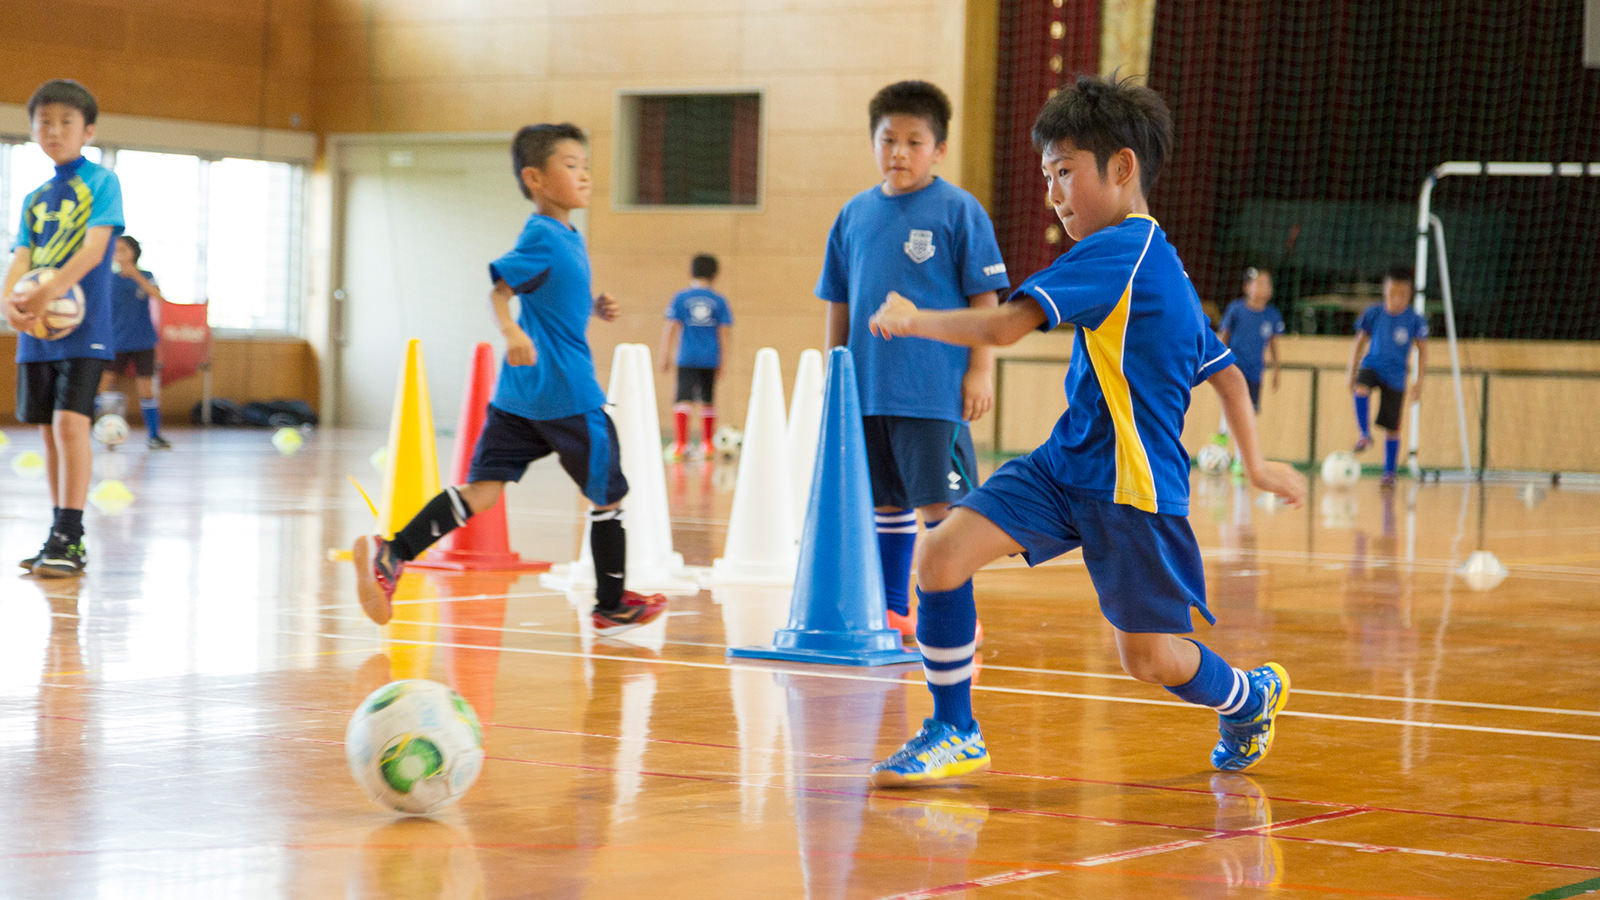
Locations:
column 377, row 572
column 637, row 609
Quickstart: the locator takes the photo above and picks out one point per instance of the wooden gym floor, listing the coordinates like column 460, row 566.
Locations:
column 171, row 724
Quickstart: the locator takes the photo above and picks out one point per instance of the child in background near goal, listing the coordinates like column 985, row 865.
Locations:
column 134, row 337
column 698, row 321
column 546, row 400
column 932, row 241
column 1385, row 333
column 68, row 223
column 1113, row 477
column 1250, row 328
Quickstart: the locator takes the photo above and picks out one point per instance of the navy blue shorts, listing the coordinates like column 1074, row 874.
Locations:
column 1255, row 394
column 586, row 445
column 916, row 462
column 1146, row 567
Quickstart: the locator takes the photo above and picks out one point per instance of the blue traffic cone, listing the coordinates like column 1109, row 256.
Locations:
column 837, row 613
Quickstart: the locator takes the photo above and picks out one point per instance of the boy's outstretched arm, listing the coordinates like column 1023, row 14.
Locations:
column 519, row 347
column 999, row 325
column 1274, row 477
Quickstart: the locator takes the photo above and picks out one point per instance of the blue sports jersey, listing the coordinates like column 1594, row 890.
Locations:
column 56, row 219
column 549, row 271
column 1142, row 345
column 1249, row 331
column 937, row 247
column 701, row 311
column 1389, row 354
column 131, row 328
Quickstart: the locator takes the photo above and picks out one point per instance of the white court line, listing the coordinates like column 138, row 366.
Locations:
column 1030, row 692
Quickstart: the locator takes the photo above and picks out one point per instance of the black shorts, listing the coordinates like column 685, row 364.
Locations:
column 1391, row 400
column 142, row 361
column 68, row 385
column 586, row 445
column 696, row 385
column 915, row 462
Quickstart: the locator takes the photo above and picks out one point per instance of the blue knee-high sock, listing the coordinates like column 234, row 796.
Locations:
column 151, row 411
column 1391, row 454
column 946, row 622
column 897, row 538
column 1219, row 686
column 1363, row 405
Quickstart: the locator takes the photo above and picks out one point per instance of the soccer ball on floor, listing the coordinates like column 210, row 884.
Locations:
column 1341, row 469
column 110, row 429
column 61, row 315
column 1213, row 459
column 727, row 441
column 414, row 746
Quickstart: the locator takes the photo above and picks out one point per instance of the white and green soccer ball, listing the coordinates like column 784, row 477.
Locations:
column 414, row 746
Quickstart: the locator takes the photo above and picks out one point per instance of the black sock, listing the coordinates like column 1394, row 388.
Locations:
column 608, row 544
column 69, row 524
column 444, row 513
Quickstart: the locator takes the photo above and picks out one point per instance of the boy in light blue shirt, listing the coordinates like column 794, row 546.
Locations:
column 1250, row 328
column 698, row 321
column 1381, row 358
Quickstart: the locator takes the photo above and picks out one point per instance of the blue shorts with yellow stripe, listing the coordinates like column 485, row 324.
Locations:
column 586, row 444
column 1146, row 567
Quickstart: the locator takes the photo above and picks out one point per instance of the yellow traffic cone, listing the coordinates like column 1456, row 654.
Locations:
column 411, row 477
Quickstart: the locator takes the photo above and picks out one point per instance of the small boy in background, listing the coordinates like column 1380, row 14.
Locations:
column 69, row 224
column 698, row 321
column 1385, row 334
column 133, row 335
column 1250, row 328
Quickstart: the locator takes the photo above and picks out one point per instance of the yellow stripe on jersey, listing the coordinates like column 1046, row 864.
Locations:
column 70, row 230
column 1136, row 483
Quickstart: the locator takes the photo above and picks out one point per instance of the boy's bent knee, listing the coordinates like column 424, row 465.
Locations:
column 938, row 569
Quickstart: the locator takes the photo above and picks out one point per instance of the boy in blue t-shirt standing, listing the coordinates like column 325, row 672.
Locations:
column 133, row 336
column 928, row 239
column 546, row 400
column 1250, row 328
column 699, row 316
column 68, row 224
column 1391, row 328
column 1113, row 477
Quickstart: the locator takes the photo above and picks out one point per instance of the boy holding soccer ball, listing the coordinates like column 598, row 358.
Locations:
column 69, row 224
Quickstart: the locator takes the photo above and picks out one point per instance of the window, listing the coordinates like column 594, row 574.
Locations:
column 690, row 150
column 224, row 231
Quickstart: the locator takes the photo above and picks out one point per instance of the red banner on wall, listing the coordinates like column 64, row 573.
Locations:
column 184, row 339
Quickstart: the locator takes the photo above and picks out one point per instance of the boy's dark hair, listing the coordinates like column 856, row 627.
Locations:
column 133, row 245
column 703, row 266
column 532, row 146
column 1103, row 115
column 911, row 98
column 68, row 92
column 1401, row 273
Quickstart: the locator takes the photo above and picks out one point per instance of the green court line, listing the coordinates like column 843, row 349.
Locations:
column 1571, row 890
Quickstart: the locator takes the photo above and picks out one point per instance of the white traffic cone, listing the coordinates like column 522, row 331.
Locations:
column 805, row 425
column 761, row 546
column 1483, row 571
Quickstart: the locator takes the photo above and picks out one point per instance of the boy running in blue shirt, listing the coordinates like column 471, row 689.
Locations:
column 546, row 400
column 1113, row 478
column 1250, row 328
column 1391, row 328
column 134, row 335
column 700, row 317
column 68, row 224
column 919, row 234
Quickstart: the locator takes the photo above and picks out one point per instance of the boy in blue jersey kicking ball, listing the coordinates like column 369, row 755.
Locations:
column 546, row 400
column 1250, row 328
column 698, row 321
column 919, row 234
column 68, row 224
column 1385, row 333
column 134, row 336
column 1113, row 478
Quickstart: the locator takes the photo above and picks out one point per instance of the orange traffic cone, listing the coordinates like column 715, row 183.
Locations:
column 482, row 542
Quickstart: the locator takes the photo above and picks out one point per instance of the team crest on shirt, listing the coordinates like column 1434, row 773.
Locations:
column 700, row 312
column 1266, row 330
column 1401, row 335
column 920, row 246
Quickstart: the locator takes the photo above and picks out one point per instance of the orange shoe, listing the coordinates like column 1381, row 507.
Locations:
column 906, row 625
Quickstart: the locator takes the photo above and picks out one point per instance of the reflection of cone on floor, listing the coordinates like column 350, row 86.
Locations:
column 837, row 613
column 805, row 424
column 482, row 543
column 652, row 564
column 412, row 476
column 761, row 546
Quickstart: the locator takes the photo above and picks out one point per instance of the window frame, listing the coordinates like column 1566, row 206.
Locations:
column 625, row 125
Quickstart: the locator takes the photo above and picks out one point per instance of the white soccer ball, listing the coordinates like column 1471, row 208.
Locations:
column 1341, row 469
column 414, row 746
column 727, row 441
column 1213, row 459
column 110, row 429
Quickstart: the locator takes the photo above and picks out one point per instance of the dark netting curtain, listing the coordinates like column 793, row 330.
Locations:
column 1305, row 129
